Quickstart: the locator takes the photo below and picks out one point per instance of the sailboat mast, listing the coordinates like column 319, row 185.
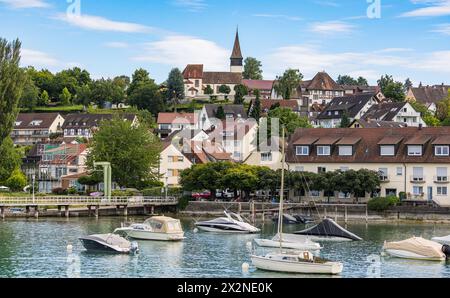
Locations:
column 281, row 213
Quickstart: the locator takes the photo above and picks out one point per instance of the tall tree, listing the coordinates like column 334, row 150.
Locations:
column 175, row 86
column 105, row 90
column 256, row 108
column 44, row 99
column 288, row 83
column 289, row 119
column 10, row 159
column 362, row 82
column 240, row 92
column 252, row 69
column 395, row 91
column 84, row 95
column 345, row 120
column 408, row 84
column 30, row 95
column 220, row 113
column 66, row 97
column 225, row 89
column 346, row 80
column 146, row 96
column 12, row 79
column 133, row 152
column 139, row 76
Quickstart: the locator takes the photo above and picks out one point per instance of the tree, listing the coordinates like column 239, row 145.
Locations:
column 442, row 110
column 427, row 116
column 133, row 152
column 208, row 90
column 12, row 79
column 225, row 89
column 256, row 108
column 65, row 97
column 139, row 77
column 346, row 80
column 84, row 95
column 362, row 82
column 252, row 69
column 240, row 92
column 17, row 181
column 44, row 99
column 146, row 96
column 220, row 113
column 175, row 86
column 10, row 159
column 358, row 182
column 408, row 84
column 242, row 178
column 45, row 81
column 384, row 81
column 345, row 120
column 288, row 82
column 395, row 91
column 326, row 182
column 289, row 119
column 105, row 90
column 30, row 95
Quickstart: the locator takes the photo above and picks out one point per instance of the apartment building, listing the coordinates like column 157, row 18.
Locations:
column 34, row 128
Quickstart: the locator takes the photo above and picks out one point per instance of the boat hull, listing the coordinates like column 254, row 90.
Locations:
column 222, row 230
column 95, row 246
column 287, row 245
column 330, row 268
column 152, row 236
column 403, row 254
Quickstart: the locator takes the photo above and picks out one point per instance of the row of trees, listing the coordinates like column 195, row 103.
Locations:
column 245, row 179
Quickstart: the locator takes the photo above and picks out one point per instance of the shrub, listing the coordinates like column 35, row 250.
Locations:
column 125, row 193
column 383, row 204
column 160, row 191
column 59, row 191
column 184, row 202
column 17, row 181
column 72, row 191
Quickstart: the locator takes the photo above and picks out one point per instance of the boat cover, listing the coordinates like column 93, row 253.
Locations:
column 329, row 228
column 418, row 246
column 111, row 239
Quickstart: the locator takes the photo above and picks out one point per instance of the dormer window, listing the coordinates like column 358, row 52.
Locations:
column 323, row 150
column 387, row 150
column 302, row 151
column 442, row 150
column 415, row 150
column 345, row 150
column 18, row 123
column 36, row 122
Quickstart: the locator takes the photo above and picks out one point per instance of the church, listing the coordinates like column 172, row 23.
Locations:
column 196, row 80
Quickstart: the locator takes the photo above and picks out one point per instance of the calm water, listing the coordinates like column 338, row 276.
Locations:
column 37, row 248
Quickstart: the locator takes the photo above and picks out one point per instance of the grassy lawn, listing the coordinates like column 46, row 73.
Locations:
column 60, row 109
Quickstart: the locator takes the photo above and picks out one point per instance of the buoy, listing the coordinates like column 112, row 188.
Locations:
column 195, row 230
column 69, row 248
column 245, row 267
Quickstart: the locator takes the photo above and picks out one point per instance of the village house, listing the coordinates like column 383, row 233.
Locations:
column 208, row 115
column 196, row 79
column 321, row 89
column 85, row 125
column 355, row 90
column 265, row 88
column 428, row 95
column 369, row 123
column 33, row 128
column 170, row 122
column 354, row 106
column 401, row 112
column 268, row 154
column 268, row 104
column 414, row 161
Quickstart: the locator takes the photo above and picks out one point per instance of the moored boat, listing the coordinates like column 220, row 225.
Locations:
column 329, row 230
column 417, row 248
column 442, row 240
column 158, row 228
column 231, row 223
column 110, row 243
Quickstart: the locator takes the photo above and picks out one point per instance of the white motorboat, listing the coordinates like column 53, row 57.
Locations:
column 159, row 228
column 231, row 223
column 110, row 243
column 297, row 244
column 442, row 240
column 304, row 263
column 295, row 262
column 329, row 230
column 417, row 248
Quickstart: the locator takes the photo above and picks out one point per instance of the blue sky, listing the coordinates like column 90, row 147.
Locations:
column 114, row 37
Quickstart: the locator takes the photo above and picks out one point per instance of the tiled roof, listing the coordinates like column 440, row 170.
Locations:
column 258, row 84
column 193, row 71
column 322, row 81
column 352, row 104
column 91, row 120
column 221, row 78
column 236, row 110
column 430, row 94
column 35, row 120
column 385, row 111
column 176, row 118
column 369, row 123
column 367, row 149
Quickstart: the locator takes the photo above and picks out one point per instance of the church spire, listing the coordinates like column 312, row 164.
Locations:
column 236, row 56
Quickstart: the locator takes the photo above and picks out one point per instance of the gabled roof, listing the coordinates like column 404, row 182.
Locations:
column 430, row 94
column 385, row 111
column 35, row 121
column 91, row 120
column 216, row 78
column 236, row 54
column 352, row 104
column 322, row 81
column 266, row 104
column 258, row 84
column 176, row 118
column 369, row 123
column 235, row 110
column 193, row 71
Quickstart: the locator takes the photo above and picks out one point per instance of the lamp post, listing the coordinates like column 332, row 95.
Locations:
column 167, row 186
column 34, row 179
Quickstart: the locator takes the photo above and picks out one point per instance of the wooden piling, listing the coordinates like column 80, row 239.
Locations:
column 367, row 214
column 346, row 215
column 2, row 212
column 336, row 214
column 27, row 211
column 125, row 211
column 59, row 210
column 239, row 208
column 89, row 210
column 97, row 211
column 66, row 211
column 153, row 210
column 36, row 212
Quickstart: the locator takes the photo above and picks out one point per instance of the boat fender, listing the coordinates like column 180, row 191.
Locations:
column 446, row 250
column 245, row 267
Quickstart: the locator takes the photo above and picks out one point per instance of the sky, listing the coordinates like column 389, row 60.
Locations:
column 369, row 38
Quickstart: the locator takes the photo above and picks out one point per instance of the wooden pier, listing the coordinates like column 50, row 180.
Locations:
column 93, row 204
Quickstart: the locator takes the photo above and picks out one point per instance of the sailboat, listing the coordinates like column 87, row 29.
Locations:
column 293, row 262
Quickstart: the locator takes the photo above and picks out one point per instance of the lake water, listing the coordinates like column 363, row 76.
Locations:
column 37, row 248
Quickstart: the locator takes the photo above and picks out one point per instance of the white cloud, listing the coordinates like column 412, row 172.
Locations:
column 443, row 29
column 25, row 3
column 102, row 24
column 38, row 59
column 191, row 5
column 435, row 8
column 331, row 27
column 116, row 45
column 327, row 3
column 278, row 16
column 182, row 50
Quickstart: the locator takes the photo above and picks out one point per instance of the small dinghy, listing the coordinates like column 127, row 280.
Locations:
column 417, row 248
column 110, row 243
column 442, row 240
column 289, row 241
column 329, row 230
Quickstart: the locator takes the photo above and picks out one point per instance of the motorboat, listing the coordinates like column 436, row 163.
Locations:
column 442, row 240
column 159, row 228
column 417, row 248
column 231, row 223
column 304, row 219
column 287, row 219
column 289, row 241
column 304, row 262
column 329, row 230
column 111, row 243
column 292, row 262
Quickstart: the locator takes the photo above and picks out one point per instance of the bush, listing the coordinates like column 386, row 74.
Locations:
column 17, row 181
column 383, row 204
column 125, row 193
column 59, row 191
column 184, row 202
column 72, row 191
column 160, row 191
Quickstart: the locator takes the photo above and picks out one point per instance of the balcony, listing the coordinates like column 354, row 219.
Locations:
column 418, row 179
column 441, row 179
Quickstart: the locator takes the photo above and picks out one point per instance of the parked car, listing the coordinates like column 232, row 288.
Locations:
column 4, row 189
column 202, row 195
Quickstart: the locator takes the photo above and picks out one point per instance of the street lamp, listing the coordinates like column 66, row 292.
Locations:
column 34, row 179
column 167, row 186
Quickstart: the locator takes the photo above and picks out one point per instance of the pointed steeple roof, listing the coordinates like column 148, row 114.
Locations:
column 237, row 54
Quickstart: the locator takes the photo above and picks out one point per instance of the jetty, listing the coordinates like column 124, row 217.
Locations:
column 93, row 204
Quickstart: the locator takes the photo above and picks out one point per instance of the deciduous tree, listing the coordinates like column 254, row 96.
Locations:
column 288, row 83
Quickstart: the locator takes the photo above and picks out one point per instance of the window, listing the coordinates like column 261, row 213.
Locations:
column 399, row 171
column 441, row 150
column 418, row 174
column 323, row 150
column 387, row 150
column 345, row 150
column 314, row 193
column 321, row 170
column 441, row 175
column 442, row 191
column 302, row 150
column 414, row 150
column 417, row 190
column 299, row 169
column 267, row 156
column 344, row 169
column 383, row 174
column 197, row 83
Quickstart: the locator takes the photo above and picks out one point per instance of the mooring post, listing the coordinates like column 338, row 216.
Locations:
column 59, row 210
column 325, row 212
column 153, row 209
column 89, row 210
column 253, row 211
column 125, row 211
column 367, row 214
column 335, row 213
column 263, row 213
column 97, row 211
column 346, row 215
column 36, row 211
column 27, row 211
column 66, row 211
column 2, row 212
column 239, row 208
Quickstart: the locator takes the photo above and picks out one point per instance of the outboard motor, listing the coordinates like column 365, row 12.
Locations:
column 446, row 250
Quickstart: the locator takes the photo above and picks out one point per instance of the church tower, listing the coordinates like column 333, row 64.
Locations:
column 236, row 59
